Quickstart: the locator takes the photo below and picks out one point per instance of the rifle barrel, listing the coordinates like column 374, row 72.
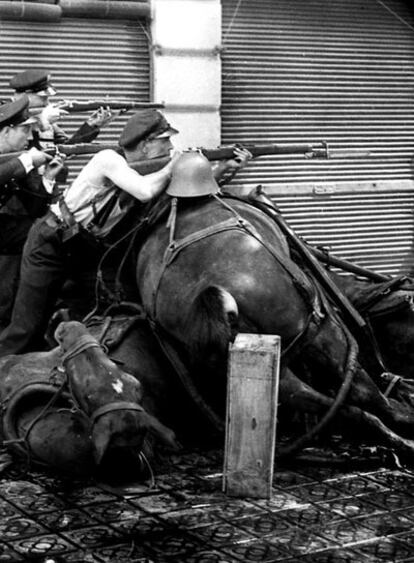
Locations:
column 319, row 150
column 221, row 153
column 73, row 106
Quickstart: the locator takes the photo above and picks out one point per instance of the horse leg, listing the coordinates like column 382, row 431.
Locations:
column 297, row 395
column 326, row 357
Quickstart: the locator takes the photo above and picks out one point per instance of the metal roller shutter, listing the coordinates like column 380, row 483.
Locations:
column 89, row 59
column 335, row 71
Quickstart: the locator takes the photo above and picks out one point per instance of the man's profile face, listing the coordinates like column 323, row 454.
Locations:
column 17, row 137
column 149, row 149
column 38, row 99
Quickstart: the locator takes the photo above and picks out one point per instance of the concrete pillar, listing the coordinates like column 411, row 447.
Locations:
column 186, row 63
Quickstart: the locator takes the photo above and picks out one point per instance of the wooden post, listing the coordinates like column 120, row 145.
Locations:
column 252, row 394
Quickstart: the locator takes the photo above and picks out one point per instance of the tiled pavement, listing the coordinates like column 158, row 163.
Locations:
column 315, row 514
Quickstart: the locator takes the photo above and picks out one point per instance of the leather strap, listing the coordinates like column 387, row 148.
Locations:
column 115, row 406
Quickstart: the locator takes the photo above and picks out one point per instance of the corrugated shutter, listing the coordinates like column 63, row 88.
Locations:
column 373, row 230
column 88, row 59
column 335, row 71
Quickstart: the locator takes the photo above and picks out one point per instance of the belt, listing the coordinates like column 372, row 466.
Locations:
column 67, row 215
column 53, row 220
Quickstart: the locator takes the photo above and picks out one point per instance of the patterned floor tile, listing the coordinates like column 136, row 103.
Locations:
column 7, row 554
column 157, row 504
column 20, row 527
column 350, row 507
column 66, row 519
column 86, row 538
column 386, row 550
column 219, row 535
column 42, row 545
column 256, row 551
column 314, row 515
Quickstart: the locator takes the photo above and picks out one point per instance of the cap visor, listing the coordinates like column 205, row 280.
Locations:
column 28, row 121
column 168, row 133
column 49, row 91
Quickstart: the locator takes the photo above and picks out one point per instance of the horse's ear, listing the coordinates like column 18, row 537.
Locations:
column 160, row 432
column 61, row 315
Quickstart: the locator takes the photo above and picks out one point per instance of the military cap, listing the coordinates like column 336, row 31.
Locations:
column 33, row 81
column 15, row 113
column 147, row 124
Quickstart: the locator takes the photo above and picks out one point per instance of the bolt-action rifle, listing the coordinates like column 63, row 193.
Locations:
column 76, row 106
column 309, row 150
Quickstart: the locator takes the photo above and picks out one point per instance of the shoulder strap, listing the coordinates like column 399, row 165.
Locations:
column 99, row 217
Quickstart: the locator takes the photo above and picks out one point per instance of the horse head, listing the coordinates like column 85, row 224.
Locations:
column 108, row 395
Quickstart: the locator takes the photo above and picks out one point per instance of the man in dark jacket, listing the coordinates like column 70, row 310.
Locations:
column 37, row 85
column 24, row 193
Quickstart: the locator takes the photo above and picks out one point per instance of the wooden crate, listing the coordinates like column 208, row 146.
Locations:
column 252, row 395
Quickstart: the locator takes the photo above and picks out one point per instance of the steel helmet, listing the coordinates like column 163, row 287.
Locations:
column 192, row 176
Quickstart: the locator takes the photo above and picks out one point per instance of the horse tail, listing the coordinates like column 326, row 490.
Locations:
column 212, row 323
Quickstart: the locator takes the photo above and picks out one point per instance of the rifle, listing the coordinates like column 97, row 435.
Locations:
column 316, row 150
column 75, row 106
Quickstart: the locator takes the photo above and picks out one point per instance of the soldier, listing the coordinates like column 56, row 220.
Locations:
column 24, row 194
column 36, row 84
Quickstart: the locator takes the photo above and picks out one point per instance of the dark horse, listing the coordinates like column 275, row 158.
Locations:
column 222, row 266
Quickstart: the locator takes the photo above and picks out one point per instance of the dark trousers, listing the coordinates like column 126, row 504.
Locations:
column 13, row 232
column 41, row 276
column 13, row 235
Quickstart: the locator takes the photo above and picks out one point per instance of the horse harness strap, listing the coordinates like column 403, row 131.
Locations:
column 176, row 247
column 385, row 289
column 238, row 223
column 86, row 341
column 115, row 406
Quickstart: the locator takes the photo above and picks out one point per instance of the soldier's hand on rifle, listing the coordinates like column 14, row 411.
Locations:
column 240, row 159
column 175, row 155
column 50, row 114
column 100, row 117
column 38, row 157
column 53, row 167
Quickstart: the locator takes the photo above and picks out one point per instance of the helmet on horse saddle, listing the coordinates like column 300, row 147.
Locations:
column 192, row 176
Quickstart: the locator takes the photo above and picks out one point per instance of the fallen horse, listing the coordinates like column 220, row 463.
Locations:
column 72, row 406
column 221, row 266
column 217, row 267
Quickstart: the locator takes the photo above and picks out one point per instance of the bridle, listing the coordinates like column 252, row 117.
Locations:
column 86, row 342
